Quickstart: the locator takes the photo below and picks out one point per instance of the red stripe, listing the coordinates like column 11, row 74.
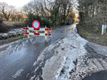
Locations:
column 37, row 34
column 36, row 29
column 46, row 28
column 47, row 34
column 25, row 28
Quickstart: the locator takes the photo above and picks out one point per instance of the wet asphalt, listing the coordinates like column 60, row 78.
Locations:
column 102, row 75
column 16, row 60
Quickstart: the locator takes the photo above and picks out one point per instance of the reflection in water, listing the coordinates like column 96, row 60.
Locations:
column 102, row 75
column 15, row 55
column 46, row 44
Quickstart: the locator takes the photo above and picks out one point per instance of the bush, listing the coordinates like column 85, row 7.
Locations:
column 3, row 28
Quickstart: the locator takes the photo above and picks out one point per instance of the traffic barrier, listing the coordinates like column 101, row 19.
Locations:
column 29, row 31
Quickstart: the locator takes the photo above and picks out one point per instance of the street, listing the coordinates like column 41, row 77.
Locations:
column 63, row 56
column 16, row 60
column 53, row 39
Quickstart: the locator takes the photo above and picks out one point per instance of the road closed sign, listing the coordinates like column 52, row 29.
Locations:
column 36, row 25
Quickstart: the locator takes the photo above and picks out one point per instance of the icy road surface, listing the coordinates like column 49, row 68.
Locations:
column 66, row 56
column 17, row 58
column 72, row 58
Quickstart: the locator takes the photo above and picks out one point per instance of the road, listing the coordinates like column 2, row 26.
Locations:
column 16, row 60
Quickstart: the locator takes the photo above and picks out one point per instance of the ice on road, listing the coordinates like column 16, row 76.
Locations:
column 59, row 66
column 68, row 57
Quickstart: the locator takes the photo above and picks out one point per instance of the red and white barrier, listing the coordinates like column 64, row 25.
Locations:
column 29, row 31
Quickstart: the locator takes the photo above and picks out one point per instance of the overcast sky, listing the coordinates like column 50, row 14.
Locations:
column 16, row 3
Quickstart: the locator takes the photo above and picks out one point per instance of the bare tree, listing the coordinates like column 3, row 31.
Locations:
column 6, row 10
column 93, row 13
column 57, row 9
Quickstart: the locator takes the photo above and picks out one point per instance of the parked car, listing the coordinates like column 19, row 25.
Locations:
column 5, row 35
column 12, row 33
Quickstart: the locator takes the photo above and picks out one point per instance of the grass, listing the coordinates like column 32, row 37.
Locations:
column 91, row 36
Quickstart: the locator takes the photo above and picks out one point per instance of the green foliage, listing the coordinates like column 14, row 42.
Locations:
column 43, row 21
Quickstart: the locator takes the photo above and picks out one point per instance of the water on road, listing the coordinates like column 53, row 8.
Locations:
column 16, row 60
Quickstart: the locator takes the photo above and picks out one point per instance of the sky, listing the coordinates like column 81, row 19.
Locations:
column 16, row 3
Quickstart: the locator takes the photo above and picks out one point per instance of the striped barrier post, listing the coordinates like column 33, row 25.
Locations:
column 25, row 33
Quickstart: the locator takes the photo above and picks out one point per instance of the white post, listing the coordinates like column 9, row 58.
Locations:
column 104, row 27
column 102, row 31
